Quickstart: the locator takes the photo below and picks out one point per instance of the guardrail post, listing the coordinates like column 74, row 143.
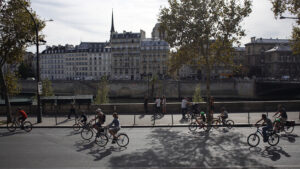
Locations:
column 172, row 119
column 248, row 117
column 134, row 120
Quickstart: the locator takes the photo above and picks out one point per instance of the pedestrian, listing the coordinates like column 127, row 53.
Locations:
column 72, row 111
column 157, row 103
column 184, row 103
column 146, row 104
column 164, row 105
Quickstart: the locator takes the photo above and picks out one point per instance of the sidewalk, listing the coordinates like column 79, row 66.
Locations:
column 240, row 119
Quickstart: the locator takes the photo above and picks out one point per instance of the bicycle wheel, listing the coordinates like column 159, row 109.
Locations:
column 253, row 140
column 27, row 126
column 288, row 129
column 122, row 140
column 193, row 126
column 229, row 123
column 86, row 133
column 101, row 139
column 215, row 124
column 76, row 127
column 273, row 139
column 11, row 126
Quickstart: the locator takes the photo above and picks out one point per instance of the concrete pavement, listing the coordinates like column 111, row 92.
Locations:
column 240, row 119
column 166, row 148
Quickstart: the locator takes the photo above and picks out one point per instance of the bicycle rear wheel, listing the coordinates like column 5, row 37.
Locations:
column 122, row 140
column 229, row 123
column 11, row 126
column 27, row 126
column 273, row 139
column 288, row 129
column 193, row 126
column 86, row 133
column 101, row 139
column 253, row 140
column 215, row 124
column 76, row 127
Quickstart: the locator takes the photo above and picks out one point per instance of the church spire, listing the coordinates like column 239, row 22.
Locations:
column 112, row 29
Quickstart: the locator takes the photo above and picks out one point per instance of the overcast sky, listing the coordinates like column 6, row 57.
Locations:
column 78, row 21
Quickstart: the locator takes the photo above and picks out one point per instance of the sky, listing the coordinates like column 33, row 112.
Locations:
column 78, row 21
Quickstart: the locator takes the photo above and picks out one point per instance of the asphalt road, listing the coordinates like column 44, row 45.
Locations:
column 148, row 148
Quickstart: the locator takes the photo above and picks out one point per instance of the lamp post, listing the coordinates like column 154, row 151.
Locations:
column 38, row 89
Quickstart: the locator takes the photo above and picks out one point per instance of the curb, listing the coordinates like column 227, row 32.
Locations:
column 146, row 126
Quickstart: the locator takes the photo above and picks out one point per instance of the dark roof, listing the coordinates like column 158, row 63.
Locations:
column 82, row 47
column 125, row 35
column 269, row 41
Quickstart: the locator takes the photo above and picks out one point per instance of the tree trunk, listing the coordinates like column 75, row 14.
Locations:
column 6, row 97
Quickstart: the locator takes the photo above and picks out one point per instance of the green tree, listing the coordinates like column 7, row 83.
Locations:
column 17, row 31
column 13, row 88
column 102, row 92
column 197, row 94
column 47, row 88
column 25, row 71
column 202, row 33
column 293, row 7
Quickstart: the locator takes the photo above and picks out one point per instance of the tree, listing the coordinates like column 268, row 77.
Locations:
column 202, row 32
column 293, row 7
column 47, row 88
column 197, row 95
column 17, row 31
column 25, row 71
column 11, row 79
column 102, row 92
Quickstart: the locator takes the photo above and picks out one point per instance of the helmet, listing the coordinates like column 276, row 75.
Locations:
column 202, row 113
column 98, row 110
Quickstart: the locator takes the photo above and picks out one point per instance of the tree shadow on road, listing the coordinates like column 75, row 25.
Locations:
column 183, row 150
column 272, row 152
column 8, row 133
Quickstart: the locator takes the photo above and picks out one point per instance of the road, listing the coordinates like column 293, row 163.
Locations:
column 148, row 148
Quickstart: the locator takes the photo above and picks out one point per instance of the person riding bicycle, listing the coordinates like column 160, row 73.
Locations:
column 22, row 116
column 100, row 119
column 224, row 115
column 202, row 118
column 83, row 118
column 114, row 127
column 279, row 123
column 268, row 126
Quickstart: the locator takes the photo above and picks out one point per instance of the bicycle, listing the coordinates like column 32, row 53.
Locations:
column 88, row 131
column 288, row 127
column 217, row 122
column 194, row 125
column 102, row 138
column 194, row 112
column 253, row 139
column 157, row 114
column 12, row 126
column 78, row 124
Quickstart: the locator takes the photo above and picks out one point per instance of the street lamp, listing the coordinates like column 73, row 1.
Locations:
column 39, row 85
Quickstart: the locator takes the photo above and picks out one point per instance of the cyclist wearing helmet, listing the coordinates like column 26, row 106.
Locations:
column 268, row 126
column 202, row 117
column 279, row 123
column 100, row 119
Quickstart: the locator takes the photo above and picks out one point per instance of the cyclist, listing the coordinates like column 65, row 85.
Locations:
column 100, row 119
column 268, row 126
column 83, row 118
column 202, row 117
column 157, row 103
column 114, row 127
column 283, row 117
column 224, row 115
column 22, row 116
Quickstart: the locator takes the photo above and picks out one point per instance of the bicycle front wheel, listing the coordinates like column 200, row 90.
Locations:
column 122, row 140
column 193, row 126
column 27, row 126
column 86, row 133
column 101, row 139
column 253, row 140
column 273, row 139
column 229, row 123
column 11, row 126
column 215, row 124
